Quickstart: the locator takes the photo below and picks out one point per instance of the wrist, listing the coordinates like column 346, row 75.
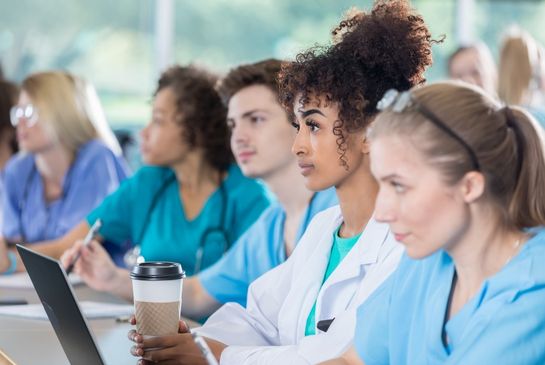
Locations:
column 12, row 263
column 120, row 283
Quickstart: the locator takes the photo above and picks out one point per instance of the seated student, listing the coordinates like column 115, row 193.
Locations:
column 474, row 64
column 69, row 159
column 194, row 202
column 462, row 184
column 261, row 139
column 344, row 254
column 8, row 142
column 522, row 73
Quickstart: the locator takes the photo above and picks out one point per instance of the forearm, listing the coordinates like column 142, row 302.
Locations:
column 55, row 248
column 196, row 302
column 4, row 260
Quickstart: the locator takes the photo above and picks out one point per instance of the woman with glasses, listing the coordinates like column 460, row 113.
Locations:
column 462, row 186
column 69, row 159
column 192, row 202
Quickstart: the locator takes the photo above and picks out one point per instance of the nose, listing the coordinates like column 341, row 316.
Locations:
column 300, row 143
column 384, row 207
column 145, row 131
column 239, row 133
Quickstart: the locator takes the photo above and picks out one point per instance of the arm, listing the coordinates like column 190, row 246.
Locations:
column 4, row 260
column 97, row 269
column 197, row 303
column 55, row 248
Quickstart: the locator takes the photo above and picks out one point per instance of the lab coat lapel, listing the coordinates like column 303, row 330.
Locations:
column 308, row 277
column 366, row 252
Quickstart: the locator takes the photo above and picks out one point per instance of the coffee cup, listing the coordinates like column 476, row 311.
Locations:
column 157, row 292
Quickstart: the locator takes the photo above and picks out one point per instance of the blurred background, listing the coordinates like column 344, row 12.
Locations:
column 121, row 46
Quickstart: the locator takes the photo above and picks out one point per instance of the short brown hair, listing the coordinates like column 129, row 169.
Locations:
column 390, row 47
column 507, row 142
column 261, row 73
column 200, row 112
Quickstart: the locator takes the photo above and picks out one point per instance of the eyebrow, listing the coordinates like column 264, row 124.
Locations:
column 306, row 113
column 250, row 112
column 389, row 177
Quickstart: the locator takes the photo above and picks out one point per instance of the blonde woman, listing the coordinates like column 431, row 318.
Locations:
column 69, row 159
column 462, row 186
column 522, row 73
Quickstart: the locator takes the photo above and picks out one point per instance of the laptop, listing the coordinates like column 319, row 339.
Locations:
column 60, row 304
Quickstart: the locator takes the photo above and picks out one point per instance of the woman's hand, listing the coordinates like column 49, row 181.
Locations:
column 173, row 349
column 96, row 267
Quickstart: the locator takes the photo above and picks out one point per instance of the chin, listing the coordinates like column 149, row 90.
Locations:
column 316, row 185
column 417, row 253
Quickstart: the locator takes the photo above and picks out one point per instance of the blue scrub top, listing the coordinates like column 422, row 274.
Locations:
column 147, row 210
column 95, row 173
column 260, row 249
column 504, row 323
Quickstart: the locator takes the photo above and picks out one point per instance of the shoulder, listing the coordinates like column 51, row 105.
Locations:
column 19, row 165
column 94, row 153
column 324, row 222
column 325, row 199
column 153, row 175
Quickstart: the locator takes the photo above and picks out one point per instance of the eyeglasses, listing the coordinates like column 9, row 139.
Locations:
column 399, row 101
column 28, row 112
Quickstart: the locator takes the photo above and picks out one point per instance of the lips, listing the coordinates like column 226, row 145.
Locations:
column 306, row 168
column 400, row 236
column 244, row 156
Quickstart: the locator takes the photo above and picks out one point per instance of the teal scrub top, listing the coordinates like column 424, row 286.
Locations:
column 504, row 323
column 259, row 250
column 147, row 210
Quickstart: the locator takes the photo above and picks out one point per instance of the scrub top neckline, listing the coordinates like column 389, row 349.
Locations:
column 206, row 203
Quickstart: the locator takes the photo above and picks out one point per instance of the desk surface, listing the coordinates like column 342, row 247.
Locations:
column 28, row 341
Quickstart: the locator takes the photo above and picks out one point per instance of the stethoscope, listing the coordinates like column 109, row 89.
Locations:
column 132, row 257
column 24, row 200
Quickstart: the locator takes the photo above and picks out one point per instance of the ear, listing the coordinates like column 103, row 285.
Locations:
column 365, row 146
column 472, row 186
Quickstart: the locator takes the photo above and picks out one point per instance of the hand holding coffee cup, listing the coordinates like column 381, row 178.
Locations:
column 157, row 290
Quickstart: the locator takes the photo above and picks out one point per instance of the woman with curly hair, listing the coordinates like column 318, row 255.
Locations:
column 191, row 204
column 304, row 310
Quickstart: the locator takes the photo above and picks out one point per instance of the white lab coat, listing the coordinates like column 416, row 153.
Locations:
column 271, row 330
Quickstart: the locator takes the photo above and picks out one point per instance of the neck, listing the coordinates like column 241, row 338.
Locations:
column 482, row 251
column 357, row 195
column 53, row 163
column 288, row 185
column 194, row 174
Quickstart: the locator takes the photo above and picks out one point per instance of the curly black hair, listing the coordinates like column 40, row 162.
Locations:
column 200, row 112
column 260, row 73
column 390, row 47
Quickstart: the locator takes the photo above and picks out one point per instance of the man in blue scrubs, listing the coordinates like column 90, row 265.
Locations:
column 261, row 141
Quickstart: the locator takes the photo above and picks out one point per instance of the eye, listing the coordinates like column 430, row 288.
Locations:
column 399, row 188
column 256, row 119
column 312, row 125
column 295, row 125
column 230, row 123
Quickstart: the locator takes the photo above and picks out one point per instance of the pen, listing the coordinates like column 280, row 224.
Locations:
column 205, row 350
column 88, row 238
